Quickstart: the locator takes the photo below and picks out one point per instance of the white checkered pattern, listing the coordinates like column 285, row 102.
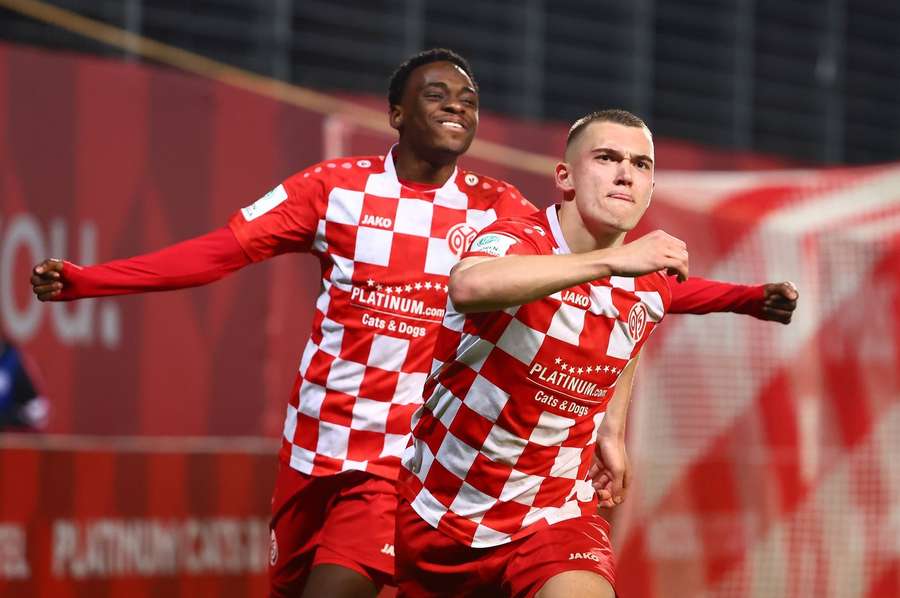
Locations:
column 504, row 440
column 385, row 258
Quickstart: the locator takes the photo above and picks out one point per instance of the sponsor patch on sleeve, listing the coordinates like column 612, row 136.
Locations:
column 264, row 203
column 496, row 244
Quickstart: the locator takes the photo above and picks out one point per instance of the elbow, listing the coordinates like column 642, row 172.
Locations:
column 463, row 292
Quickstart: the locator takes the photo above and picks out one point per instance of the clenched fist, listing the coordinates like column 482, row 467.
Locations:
column 47, row 279
column 779, row 303
column 651, row 253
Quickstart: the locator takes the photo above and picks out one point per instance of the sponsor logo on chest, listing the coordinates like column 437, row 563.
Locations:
column 577, row 299
column 377, row 221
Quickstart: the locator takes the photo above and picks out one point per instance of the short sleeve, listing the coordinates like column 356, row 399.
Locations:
column 284, row 220
column 508, row 236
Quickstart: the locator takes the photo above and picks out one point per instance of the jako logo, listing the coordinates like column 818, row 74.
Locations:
column 576, row 299
column 388, row 549
column 379, row 221
column 637, row 321
column 584, row 555
column 459, row 237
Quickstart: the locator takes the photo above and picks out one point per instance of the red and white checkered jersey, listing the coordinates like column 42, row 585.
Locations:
column 503, row 443
column 386, row 251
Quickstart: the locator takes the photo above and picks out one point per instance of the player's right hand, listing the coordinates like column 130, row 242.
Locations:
column 651, row 253
column 610, row 472
column 47, row 279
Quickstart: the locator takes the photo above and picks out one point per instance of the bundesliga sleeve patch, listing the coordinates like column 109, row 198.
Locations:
column 496, row 244
column 264, row 203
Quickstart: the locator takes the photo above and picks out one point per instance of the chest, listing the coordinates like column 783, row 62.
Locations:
column 595, row 324
column 421, row 234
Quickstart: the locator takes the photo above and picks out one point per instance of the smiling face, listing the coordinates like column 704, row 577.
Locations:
column 438, row 113
column 609, row 171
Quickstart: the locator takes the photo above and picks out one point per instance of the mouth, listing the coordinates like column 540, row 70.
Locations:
column 621, row 196
column 453, row 125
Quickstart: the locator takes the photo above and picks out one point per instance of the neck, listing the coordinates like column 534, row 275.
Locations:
column 412, row 165
column 579, row 237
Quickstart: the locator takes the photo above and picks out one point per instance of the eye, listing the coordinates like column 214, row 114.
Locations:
column 643, row 164
column 604, row 157
column 471, row 103
column 434, row 96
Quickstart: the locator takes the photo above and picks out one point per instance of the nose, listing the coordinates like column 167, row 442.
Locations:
column 623, row 173
column 454, row 106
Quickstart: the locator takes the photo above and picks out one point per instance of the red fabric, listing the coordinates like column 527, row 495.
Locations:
column 191, row 263
column 504, row 442
column 701, row 296
column 317, row 520
column 430, row 563
column 196, row 507
column 386, row 252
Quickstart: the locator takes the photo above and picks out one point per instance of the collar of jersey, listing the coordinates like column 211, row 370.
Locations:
column 555, row 230
column 449, row 184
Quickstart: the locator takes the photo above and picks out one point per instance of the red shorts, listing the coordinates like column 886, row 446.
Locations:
column 431, row 563
column 345, row 519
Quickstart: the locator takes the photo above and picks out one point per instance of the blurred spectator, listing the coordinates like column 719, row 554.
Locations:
column 23, row 408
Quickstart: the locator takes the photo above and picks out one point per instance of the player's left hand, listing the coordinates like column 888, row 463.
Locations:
column 779, row 302
column 610, row 473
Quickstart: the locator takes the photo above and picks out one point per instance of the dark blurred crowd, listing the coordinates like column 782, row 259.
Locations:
column 23, row 407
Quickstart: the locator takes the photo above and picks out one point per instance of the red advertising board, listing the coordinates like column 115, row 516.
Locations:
column 88, row 517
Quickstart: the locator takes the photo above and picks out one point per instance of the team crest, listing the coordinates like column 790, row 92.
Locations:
column 459, row 237
column 637, row 321
column 273, row 549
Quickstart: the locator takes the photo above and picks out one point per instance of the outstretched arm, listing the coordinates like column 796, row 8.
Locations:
column 774, row 301
column 191, row 263
column 480, row 283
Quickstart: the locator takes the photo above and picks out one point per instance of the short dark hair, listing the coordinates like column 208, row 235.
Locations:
column 611, row 115
column 401, row 75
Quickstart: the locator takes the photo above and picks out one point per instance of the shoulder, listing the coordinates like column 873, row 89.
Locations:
column 519, row 225
column 304, row 194
column 655, row 282
column 485, row 192
column 499, row 237
column 349, row 172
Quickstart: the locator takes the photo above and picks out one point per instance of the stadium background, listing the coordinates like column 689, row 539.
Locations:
column 765, row 456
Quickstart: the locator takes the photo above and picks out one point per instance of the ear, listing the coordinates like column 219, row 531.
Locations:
column 395, row 116
column 562, row 176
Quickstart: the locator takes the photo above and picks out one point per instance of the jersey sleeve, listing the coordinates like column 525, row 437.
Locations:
column 190, row 263
column 505, row 237
column 513, row 204
column 284, row 220
column 702, row 296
